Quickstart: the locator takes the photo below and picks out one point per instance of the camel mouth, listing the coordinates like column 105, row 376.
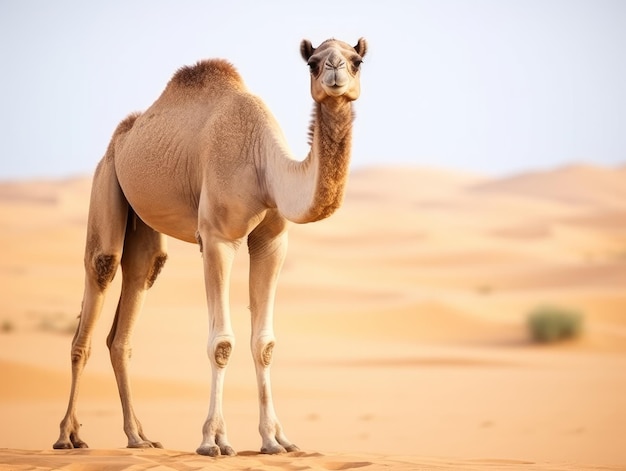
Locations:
column 335, row 90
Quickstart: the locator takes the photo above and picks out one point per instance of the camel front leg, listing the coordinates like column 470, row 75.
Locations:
column 268, row 247
column 218, row 259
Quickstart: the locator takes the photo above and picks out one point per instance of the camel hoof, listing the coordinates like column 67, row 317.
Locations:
column 227, row 451
column 273, row 449
column 291, row 448
column 64, row 445
column 208, row 450
column 69, row 445
column 145, row 444
column 215, row 450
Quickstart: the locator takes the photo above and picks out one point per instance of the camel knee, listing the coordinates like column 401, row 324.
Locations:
column 157, row 266
column 220, row 349
column 80, row 354
column 119, row 351
column 263, row 349
column 102, row 268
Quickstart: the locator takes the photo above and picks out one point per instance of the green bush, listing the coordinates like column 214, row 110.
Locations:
column 7, row 326
column 551, row 324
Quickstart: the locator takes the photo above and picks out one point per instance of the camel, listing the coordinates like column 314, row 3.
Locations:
column 207, row 163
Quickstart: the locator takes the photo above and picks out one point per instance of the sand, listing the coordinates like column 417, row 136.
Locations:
column 401, row 326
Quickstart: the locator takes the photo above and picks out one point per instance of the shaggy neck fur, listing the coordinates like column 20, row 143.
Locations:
column 313, row 189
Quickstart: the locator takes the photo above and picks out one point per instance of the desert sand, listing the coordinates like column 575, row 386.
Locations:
column 401, row 326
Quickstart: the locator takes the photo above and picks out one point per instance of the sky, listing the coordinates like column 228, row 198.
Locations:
column 494, row 87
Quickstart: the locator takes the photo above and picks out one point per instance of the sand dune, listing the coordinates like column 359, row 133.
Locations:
column 400, row 324
column 574, row 184
column 114, row 460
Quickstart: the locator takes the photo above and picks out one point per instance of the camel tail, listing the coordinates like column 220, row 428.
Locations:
column 127, row 123
column 122, row 128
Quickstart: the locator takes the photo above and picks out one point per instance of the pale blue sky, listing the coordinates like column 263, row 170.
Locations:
column 491, row 86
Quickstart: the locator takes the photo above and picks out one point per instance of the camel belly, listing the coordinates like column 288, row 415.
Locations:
column 161, row 212
column 162, row 172
column 159, row 176
column 159, row 201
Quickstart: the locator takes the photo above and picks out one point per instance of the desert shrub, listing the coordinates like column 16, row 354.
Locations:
column 484, row 289
column 551, row 324
column 57, row 323
column 70, row 327
column 7, row 326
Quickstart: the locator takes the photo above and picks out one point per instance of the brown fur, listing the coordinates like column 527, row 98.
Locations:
column 157, row 266
column 127, row 123
column 332, row 132
column 201, row 72
column 105, row 266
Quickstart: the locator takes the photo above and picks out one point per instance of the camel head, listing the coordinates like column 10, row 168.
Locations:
column 335, row 68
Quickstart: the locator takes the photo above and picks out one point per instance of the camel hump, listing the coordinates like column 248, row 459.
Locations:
column 204, row 72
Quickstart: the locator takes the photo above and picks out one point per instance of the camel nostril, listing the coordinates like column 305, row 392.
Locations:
column 335, row 65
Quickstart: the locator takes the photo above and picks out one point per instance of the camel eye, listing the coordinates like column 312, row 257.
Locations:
column 356, row 64
column 313, row 66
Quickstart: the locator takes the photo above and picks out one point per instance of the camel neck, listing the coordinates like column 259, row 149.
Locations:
column 312, row 189
column 331, row 144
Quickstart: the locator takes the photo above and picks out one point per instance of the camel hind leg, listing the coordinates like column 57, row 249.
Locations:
column 143, row 257
column 106, row 227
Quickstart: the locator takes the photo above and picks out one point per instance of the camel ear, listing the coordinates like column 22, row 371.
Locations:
column 306, row 49
column 361, row 47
